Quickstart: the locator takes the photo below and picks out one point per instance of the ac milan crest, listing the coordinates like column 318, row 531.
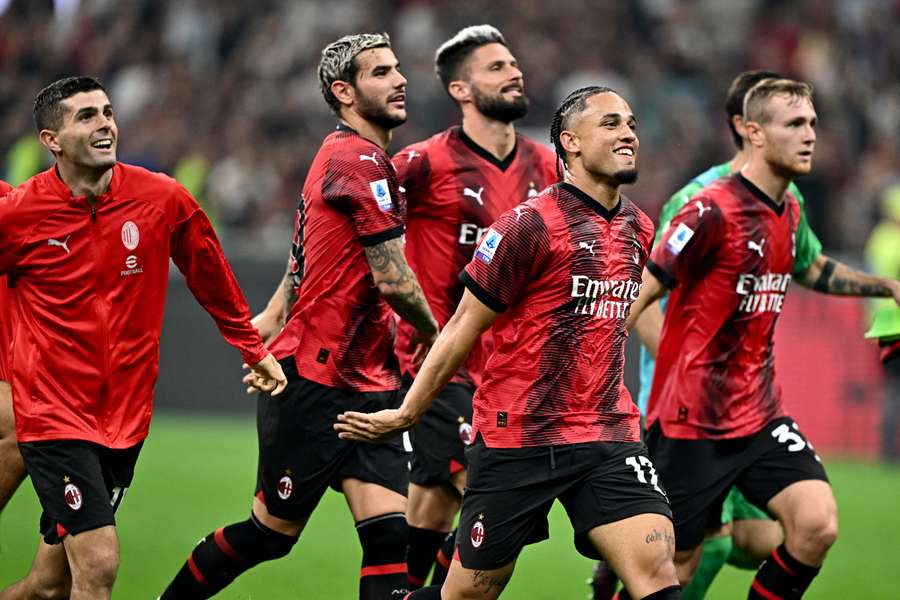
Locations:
column 285, row 487
column 73, row 496
column 130, row 235
column 465, row 433
column 477, row 535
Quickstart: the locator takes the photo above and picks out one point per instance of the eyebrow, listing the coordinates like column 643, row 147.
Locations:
column 615, row 115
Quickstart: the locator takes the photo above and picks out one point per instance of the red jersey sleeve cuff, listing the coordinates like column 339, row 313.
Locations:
column 382, row 236
column 661, row 274
column 254, row 354
column 482, row 294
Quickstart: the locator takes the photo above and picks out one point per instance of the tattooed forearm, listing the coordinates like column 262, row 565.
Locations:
column 485, row 583
column 289, row 292
column 660, row 536
column 832, row 277
column 399, row 286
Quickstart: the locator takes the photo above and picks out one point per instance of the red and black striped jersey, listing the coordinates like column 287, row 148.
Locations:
column 6, row 311
column 562, row 271
column 454, row 190
column 728, row 256
column 340, row 329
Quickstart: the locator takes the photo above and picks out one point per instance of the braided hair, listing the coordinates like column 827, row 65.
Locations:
column 574, row 104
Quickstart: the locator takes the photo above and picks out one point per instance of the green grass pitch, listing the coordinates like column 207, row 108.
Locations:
column 197, row 473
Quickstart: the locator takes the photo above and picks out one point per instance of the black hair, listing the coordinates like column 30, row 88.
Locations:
column 574, row 104
column 48, row 112
column 449, row 58
column 734, row 99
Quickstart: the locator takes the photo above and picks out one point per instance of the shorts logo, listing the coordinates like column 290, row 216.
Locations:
column 679, row 239
column 465, row 433
column 73, row 496
column 285, row 487
column 488, row 246
column 131, row 236
column 477, row 535
column 382, row 194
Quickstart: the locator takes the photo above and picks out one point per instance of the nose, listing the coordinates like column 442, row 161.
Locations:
column 400, row 80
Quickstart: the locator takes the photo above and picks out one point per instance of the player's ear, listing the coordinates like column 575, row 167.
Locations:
column 571, row 143
column 737, row 122
column 49, row 139
column 344, row 92
column 754, row 133
column 460, row 91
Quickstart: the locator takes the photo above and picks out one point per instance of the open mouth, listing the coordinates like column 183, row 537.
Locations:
column 625, row 151
column 104, row 144
column 397, row 99
column 514, row 87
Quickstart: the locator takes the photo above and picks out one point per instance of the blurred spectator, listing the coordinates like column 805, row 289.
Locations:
column 225, row 91
column 883, row 255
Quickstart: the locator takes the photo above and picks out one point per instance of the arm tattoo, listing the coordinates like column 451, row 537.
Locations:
column 398, row 284
column 839, row 279
column 290, row 292
column 481, row 580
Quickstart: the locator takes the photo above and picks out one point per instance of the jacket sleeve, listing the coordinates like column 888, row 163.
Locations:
column 197, row 254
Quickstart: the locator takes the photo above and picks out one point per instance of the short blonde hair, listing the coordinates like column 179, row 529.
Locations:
column 756, row 99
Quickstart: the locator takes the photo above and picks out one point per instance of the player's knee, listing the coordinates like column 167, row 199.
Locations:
column 97, row 571
column 383, row 538
column 817, row 530
column 49, row 586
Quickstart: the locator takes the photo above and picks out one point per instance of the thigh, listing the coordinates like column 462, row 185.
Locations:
column 780, row 457
column 619, row 481
column 432, row 507
column 71, row 483
column 440, row 437
column 696, row 494
column 476, row 583
column 367, row 500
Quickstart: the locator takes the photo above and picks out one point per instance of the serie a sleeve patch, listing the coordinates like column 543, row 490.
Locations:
column 488, row 246
column 679, row 239
column 382, row 194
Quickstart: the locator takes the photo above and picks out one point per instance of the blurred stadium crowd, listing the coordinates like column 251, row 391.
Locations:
column 223, row 93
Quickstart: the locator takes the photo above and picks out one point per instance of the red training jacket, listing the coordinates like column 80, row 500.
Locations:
column 90, row 284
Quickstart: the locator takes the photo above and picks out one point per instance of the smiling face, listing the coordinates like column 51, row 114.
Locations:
column 87, row 136
column 494, row 83
column 603, row 139
column 785, row 131
column 379, row 89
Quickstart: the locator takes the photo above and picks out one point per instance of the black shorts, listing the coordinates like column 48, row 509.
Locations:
column 440, row 437
column 300, row 454
column 510, row 491
column 700, row 473
column 80, row 484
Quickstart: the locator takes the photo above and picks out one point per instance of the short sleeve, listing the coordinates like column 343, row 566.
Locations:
column 365, row 187
column 808, row 245
column 413, row 175
column 510, row 254
column 13, row 232
column 692, row 236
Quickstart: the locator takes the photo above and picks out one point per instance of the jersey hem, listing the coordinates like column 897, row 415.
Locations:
column 661, row 274
column 382, row 236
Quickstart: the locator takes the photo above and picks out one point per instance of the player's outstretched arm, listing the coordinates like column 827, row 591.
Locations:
column 449, row 351
column 652, row 289
column 398, row 285
column 829, row 276
column 649, row 327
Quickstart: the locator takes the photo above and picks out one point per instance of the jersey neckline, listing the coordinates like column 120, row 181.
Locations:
column 503, row 165
column 595, row 206
column 761, row 195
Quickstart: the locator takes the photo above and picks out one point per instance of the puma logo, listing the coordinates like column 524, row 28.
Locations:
column 588, row 247
column 757, row 247
column 64, row 244
column 518, row 210
column 473, row 194
column 367, row 157
column 701, row 209
column 411, row 156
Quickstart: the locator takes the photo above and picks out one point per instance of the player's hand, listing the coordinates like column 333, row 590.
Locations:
column 371, row 427
column 419, row 344
column 266, row 376
column 268, row 324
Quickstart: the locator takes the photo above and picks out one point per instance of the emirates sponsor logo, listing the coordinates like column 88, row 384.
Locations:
column 470, row 234
column 762, row 293
column 131, row 235
column 604, row 298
